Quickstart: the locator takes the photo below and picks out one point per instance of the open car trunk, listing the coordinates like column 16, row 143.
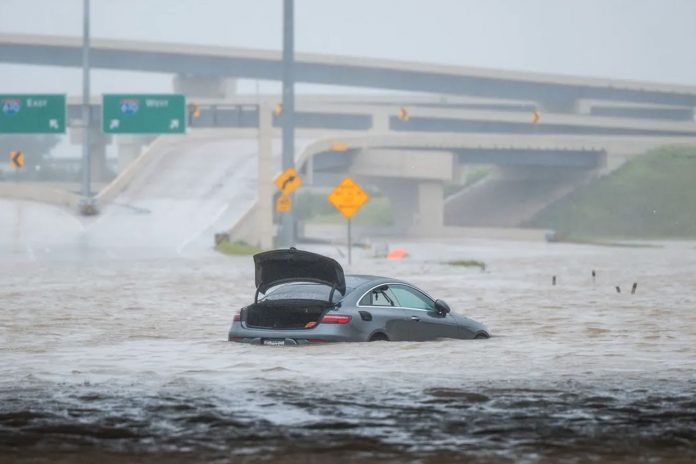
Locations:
column 284, row 314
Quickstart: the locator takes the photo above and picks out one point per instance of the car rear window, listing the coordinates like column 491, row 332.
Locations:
column 301, row 292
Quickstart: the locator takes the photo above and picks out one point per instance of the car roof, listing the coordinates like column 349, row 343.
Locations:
column 355, row 281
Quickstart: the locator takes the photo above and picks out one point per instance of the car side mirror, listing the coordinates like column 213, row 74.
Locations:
column 441, row 307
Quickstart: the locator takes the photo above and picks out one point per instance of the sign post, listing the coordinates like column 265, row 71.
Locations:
column 348, row 197
column 32, row 114
column 287, row 182
column 88, row 205
column 287, row 112
column 144, row 114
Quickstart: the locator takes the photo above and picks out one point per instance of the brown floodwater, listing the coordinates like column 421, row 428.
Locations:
column 125, row 359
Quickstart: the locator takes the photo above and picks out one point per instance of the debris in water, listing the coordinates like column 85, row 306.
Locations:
column 397, row 253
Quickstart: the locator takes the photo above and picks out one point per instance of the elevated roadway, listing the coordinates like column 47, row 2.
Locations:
column 425, row 116
column 183, row 191
column 534, row 171
column 556, row 92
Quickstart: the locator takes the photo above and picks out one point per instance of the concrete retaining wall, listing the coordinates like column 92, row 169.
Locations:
column 38, row 192
column 246, row 228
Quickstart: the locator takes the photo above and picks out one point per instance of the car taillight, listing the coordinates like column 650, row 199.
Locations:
column 237, row 317
column 336, row 319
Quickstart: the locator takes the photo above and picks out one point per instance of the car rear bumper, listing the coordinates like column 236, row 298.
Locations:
column 323, row 333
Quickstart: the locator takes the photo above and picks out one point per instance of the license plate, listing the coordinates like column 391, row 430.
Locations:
column 274, row 341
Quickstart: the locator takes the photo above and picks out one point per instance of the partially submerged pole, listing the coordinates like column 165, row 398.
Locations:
column 286, row 234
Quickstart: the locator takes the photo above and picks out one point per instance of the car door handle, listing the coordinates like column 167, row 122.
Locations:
column 415, row 318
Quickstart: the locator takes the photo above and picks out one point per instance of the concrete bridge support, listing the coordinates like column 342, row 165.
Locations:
column 97, row 150
column 129, row 148
column 417, row 205
column 380, row 121
column 205, row 86
column 413, row 180
column 402, row 196
column 430, row 207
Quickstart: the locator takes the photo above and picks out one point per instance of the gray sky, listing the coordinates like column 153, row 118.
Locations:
column 648, row 40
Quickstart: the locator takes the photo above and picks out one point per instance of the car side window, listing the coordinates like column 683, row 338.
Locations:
column 411, row 298
column 378, row 297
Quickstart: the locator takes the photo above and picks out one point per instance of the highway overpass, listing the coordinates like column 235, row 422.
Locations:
column 552, row 92
column 472, row 116
column 412, row 170
column 243, row 112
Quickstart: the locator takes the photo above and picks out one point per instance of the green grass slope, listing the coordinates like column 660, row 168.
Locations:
column 653, row 196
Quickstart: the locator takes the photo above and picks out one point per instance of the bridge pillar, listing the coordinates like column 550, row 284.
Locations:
column 97, row 154
column 205, row 86
column 430, row 207
column 380, row 121
column 417, row 205
column 402, row 196
column 97, row 151
column 129, row 148
column 561, row 102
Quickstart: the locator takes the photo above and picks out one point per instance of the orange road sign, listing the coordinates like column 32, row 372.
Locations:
column 339, row 146
column 194, row 110
column 283, row 203
column 403, row 114
column 288, row 181
column 348, row 197
column 17, row 159
column 536, row 116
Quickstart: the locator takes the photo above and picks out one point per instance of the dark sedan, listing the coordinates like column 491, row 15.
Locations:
column 304, row 298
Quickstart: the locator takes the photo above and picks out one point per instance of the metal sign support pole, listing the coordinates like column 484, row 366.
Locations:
column 350, row 245
column 287, row 223
column 86, row 162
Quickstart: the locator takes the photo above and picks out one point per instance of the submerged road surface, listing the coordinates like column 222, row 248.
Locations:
column 126, row 360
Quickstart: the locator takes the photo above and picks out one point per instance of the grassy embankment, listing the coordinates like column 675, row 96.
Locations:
column 467, row 263
column 650, row 197
column 238, row 248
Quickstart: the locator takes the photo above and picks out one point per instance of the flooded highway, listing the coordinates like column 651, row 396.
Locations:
column 126, row 360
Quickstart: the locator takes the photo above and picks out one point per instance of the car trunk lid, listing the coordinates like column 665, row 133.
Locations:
column 291, row 265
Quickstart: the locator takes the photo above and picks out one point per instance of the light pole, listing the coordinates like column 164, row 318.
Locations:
column 286, row 236
column 87, row 205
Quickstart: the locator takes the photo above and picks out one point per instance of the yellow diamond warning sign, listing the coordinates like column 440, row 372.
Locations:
column 283, row 203
column 288, row 181
column 348, row 197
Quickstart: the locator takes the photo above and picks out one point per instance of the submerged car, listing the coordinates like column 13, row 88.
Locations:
column 304, row 298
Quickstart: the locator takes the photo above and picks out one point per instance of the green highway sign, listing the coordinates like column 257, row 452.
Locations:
column 32, row 114
column 143, row 114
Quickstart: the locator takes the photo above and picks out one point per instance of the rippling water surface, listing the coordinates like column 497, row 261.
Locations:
column 126, row 360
